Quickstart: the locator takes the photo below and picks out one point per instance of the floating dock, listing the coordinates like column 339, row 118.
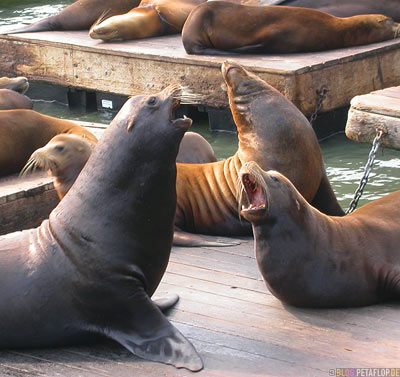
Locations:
column 145, row 66
column 373, row 111
column 237, row 326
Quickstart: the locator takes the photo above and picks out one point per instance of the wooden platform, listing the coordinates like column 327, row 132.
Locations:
column 145, row 66
column 238, row 328
column 379, row 109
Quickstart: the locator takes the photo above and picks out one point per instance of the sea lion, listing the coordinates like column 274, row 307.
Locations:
column 18, row 84
column 271, row 131
column 78, row 16
column 65, row 155
column 91, row 268
column 278, row 30
column 309, row 259
column 24, row 131
column 150, row 19
column 9, row 99
column 347, row 8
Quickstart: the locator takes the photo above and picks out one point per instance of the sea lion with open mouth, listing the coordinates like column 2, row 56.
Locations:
column 92, row 267
column 309, row 259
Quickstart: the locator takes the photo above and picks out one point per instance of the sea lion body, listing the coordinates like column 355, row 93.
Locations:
column 10, row 99
column 78, row 16
column 18, row 84
column 24, row 131
column 309, row 259
column 277, row 29
column 92, row 267
column 150, row 19
column 347, row 8
column 271, row 131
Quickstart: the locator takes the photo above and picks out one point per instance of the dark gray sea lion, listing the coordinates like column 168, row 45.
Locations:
column 312, row 260
column 92, row 266
column 18, row 84
column 271, row 131
column 78, row 16
column 278, row 30
column 10, row 99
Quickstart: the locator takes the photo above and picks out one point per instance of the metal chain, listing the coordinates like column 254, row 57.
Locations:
column 322, row 95
column 380, row 132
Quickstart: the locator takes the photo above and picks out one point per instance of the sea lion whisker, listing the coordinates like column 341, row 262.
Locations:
column 29, row 166
column 101, row 18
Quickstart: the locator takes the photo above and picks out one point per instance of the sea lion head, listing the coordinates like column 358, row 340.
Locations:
column 108, row 29
column 18, row 84
column 264, row 196
column 140, row 22
column 63, row 154
column 143, row 111
column 374, row 28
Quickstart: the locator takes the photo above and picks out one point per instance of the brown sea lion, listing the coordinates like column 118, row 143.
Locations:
column 78, row 16
column 347, row 8
column 91, row 268
column 9, row 99
column 271, row 131
column 18, row 84
column 24, row 131
column 312, row 260
column 278, row 30
column 150, row 19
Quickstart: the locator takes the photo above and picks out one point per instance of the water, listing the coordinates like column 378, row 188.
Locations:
column 343, row 158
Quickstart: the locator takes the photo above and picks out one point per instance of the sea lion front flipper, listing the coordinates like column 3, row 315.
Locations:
column 151, row 336
column 182, row 238
column 166, row 302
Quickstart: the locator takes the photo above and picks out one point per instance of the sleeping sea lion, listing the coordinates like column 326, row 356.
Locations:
column 278, row 30
column 150, row 19
column 78, row 16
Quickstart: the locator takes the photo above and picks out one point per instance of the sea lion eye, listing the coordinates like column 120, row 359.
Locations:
column 59, row 148
column 151, row 101
column 275, row 179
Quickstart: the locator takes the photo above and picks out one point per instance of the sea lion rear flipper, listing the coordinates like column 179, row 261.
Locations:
column 198, row 240
column 151, row 336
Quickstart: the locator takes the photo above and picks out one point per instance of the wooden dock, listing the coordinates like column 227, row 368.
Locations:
column 238, row 328
column 376, row 110
column 145, row 66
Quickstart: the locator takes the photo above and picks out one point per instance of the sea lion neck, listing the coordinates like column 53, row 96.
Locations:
column 102, row 206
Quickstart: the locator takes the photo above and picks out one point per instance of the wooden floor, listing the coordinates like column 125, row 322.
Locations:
column 238, row 328
column 379, row 109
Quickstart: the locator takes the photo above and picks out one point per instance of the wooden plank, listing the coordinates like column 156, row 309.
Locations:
column 145, row 66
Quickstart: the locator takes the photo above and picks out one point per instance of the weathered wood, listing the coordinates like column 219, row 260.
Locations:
column 377, row 110
column 145, row 66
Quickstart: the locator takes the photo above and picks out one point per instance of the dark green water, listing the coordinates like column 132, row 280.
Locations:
column 343, row 158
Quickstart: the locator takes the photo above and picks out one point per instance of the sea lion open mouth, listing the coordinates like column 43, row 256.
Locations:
column 255, row 195
column 252, row 192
